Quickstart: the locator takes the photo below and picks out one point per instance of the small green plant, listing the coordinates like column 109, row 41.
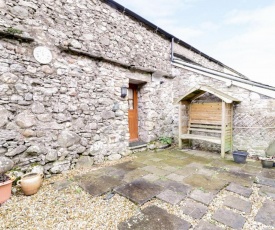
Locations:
column 166, row 140
column 202, row 189
column 14, row 31
column 78, row 190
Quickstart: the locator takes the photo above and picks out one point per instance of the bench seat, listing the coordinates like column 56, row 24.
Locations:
column 216, row 140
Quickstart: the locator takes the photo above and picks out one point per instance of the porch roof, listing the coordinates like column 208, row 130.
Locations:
column 195, row 92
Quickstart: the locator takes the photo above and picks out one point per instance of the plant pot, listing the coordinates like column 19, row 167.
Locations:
column 30, row 183
column 240, row 156
column 5, row 191
column 267, row 163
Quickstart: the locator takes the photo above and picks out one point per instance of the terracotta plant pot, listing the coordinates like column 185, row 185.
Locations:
column 30, row 183
column 5, row 191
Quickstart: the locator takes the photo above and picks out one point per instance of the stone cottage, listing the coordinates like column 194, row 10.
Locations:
column 80, row 79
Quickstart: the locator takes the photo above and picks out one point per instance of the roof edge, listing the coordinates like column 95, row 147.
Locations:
column 203, row 88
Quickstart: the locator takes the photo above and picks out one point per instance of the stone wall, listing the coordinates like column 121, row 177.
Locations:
column 57, row 113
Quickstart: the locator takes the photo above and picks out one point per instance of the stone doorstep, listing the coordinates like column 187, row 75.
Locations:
column 138, row 147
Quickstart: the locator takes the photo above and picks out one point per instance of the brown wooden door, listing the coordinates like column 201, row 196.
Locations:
column 133, row 112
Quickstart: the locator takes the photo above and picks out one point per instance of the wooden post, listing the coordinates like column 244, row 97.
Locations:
column 180, row 124
column 223, row 129
column 231, row 131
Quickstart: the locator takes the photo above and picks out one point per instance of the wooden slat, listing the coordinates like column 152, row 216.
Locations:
column 211, row 104
column 216, row 140
column 205, row 126
column 206, row 122
column 205, row 130
column 208, row 117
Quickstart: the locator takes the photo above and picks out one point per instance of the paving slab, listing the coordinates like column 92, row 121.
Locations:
column 139, row 191
column 251, row 169
column 238, row 203
column 170, row 168
column 237, row 177
column 155, row 170
column 194, row 209
column 239, row 189
column 156, row 159
column 154, row 218
column 204, row 225
column 174, row 162
column 266, row 214
column 95, row 173
column 174, row 186
column 229, row 218
column 267, row 191
column 135, row 174
column 205, row 182
column 266, row 181
column 97, row 186
column 171, row 197
column 186, row 171
column 202, row 196
column 206, row 172
column 128, row 166
column 268, row 173
column 151, row 177
column 175, row 177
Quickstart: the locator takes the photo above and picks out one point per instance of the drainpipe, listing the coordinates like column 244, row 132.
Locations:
column 227, row 76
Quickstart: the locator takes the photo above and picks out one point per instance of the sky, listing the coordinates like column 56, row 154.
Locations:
column 238, row 33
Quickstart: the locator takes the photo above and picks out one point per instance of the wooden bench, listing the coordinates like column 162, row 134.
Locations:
column 204, row 129
column 210, row 122
column 207, row 118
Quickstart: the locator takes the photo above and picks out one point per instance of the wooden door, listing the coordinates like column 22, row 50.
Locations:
column 133, row 112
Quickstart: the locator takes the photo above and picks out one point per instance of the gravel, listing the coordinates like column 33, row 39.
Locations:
column 73, row 208
column 70, row 208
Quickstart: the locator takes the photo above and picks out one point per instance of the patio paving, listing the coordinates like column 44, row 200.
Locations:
column 154, row 218
column 139, row 191
column 190, row 181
